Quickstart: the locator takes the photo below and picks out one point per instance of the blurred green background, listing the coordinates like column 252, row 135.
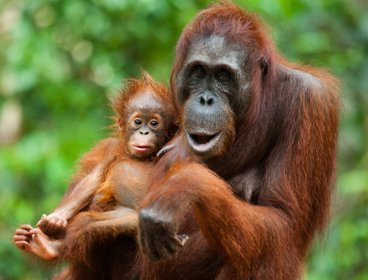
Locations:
column 61, row 60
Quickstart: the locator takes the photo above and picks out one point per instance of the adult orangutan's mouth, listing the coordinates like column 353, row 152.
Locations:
column 203, row 142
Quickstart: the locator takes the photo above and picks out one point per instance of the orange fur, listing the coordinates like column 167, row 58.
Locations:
column 102, row 199
column 288, row 138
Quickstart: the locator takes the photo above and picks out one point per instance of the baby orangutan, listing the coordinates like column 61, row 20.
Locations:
column 116, row 175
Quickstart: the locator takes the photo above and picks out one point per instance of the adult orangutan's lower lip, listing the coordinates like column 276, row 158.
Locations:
column 203, row 142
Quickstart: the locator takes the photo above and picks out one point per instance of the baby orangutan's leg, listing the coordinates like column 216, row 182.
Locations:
column 34, row 241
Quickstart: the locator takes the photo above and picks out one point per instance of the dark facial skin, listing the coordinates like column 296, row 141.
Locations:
column 145, row 129
column 209, row 87
column 213, row 88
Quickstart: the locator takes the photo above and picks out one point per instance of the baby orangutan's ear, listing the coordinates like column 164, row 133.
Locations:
column 120, row 123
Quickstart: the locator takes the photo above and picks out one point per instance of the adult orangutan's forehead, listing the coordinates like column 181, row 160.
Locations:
column 215, row 49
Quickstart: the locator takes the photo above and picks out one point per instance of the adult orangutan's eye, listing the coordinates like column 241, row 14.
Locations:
column 223, row 75
column 199, row 72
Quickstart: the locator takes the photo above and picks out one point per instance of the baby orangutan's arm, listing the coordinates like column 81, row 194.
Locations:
column 54, row 224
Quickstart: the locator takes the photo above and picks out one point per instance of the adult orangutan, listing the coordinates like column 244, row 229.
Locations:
column 267, row 129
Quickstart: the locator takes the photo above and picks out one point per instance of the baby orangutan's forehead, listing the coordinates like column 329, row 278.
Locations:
column 145, row 102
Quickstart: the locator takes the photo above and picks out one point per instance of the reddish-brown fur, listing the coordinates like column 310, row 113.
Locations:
column 94, row 171
column 90, row 230
column 102, row 199
column 289, row 138
column 105, row 148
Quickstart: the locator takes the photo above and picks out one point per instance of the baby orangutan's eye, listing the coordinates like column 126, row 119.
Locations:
column 154, row 123
column 137, row 121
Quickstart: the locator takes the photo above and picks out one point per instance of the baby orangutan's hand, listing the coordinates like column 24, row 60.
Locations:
column 53, row 225
column 34, row 241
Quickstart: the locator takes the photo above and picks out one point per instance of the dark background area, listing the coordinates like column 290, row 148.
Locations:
column 60, row 62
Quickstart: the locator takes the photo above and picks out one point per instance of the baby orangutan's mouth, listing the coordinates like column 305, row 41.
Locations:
column 142, row 148
column 203, row 142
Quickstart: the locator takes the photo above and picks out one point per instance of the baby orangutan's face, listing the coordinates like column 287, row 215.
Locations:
column 145, row 130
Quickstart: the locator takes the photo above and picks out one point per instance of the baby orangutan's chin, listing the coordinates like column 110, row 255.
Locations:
column 141, row 151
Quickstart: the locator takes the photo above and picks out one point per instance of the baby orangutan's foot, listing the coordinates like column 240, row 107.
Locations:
column 34, row 241
column 53, row 225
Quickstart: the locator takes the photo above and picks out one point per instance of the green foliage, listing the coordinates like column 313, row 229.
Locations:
column 60, row 61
